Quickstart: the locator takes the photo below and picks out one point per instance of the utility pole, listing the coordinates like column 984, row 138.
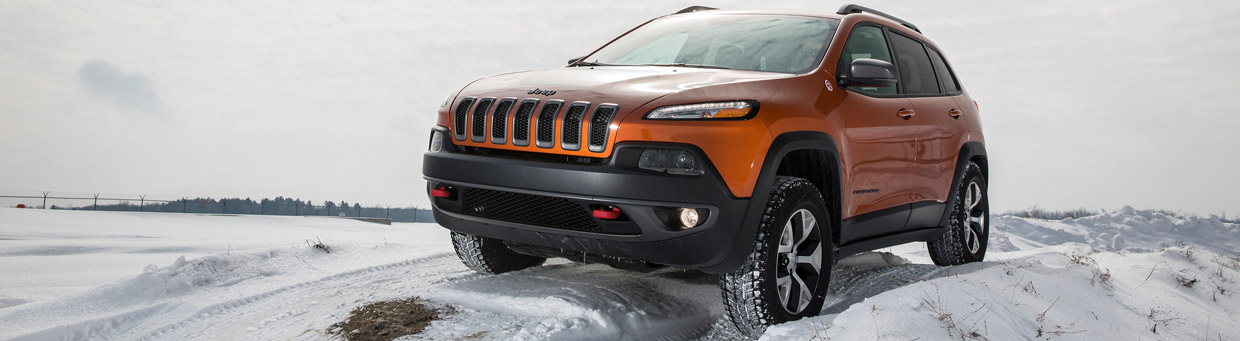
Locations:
column 45, row 200
column 183, row 208
column 141, row 202
column 96, row 206
column 225, row 202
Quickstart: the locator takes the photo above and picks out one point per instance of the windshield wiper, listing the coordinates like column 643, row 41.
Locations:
column 691, row 65
column 585, row 63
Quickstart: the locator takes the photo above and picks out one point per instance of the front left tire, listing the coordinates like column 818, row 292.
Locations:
column 490, row 256
column 786, row 275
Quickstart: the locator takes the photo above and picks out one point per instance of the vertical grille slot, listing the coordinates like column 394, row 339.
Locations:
column 546, row 123
column 499, row 121
column 480, row 120
column 600, row 126
column 574, row 117
column 461, row 110
column 521, row 122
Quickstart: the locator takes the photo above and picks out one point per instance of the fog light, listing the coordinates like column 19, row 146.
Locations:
column 670, row 161
column 688, row 218
column 436, row 141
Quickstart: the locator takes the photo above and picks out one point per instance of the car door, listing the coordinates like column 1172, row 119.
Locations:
column 940, row 130
column 878, row 144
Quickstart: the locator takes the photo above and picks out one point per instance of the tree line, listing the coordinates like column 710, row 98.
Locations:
column 265, row 206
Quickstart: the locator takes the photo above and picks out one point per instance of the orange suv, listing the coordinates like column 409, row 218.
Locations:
column 759, row 145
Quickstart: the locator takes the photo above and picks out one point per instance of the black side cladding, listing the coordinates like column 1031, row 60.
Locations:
column 480, row 119
column 461, row 110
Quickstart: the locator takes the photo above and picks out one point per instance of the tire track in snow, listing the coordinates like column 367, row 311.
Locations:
column 404, row 278
column 179, row 314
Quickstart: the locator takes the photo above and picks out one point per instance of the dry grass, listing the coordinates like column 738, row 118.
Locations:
column 388, row 320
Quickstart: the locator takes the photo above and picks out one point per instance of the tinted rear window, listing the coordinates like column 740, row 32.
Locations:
column 916, row 71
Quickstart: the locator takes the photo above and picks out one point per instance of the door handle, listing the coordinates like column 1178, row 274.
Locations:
column 955, row 113
column 906, row 113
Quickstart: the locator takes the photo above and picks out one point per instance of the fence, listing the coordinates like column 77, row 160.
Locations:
column 277, row 206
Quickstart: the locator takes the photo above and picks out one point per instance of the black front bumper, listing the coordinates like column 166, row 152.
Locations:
column 644, row 233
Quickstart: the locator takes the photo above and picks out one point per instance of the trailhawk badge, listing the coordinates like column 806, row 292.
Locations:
column 542, row 92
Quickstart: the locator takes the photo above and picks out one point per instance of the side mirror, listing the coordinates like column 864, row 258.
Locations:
column 871, row 72
column 574, row 60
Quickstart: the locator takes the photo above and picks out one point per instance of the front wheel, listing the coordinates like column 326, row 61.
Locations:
column 786, row 275
column 490, row 256
column 968, row 227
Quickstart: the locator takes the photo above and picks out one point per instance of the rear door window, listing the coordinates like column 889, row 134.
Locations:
column 916, row 70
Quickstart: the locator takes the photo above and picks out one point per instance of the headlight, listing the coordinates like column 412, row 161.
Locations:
column 670, row 161
column 736, row 110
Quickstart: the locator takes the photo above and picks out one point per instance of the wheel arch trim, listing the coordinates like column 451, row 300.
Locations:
column 780, row 147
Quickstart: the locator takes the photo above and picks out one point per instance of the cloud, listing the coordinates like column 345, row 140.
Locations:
column 132, row 91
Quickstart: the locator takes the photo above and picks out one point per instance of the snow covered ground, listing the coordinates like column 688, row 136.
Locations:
column 1128, row 274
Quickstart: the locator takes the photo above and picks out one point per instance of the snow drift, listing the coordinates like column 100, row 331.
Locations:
column 1124, row 274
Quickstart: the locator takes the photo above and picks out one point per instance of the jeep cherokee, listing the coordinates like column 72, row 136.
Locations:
column 759, row 145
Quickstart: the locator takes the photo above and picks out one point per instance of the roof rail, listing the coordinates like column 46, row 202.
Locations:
column 853, row 8
column 692, row 9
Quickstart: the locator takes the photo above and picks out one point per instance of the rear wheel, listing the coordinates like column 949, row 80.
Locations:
column 490, row 256
column 786, row 275
column 968, row 227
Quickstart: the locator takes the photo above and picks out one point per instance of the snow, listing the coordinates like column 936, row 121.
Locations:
column 1126, row 274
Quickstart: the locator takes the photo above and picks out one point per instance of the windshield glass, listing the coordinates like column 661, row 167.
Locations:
column 789, row 44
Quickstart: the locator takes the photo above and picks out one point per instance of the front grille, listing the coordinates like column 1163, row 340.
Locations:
column 480, row 119
column 499, row 120
column 521, row 122
column 461, row 110
column 546, row 123
column 570, row 138
column 529, row 209
column 600, row 124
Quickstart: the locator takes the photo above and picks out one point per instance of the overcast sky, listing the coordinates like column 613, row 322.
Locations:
column 1083, row 105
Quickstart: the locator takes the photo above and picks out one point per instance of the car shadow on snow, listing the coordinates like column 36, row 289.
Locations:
column 596, row 301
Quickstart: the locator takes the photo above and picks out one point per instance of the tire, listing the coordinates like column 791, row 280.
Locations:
column 490, row 256
column 968, row 227
column 763, row 291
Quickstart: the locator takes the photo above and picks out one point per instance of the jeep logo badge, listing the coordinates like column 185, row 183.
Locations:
column 541, row 92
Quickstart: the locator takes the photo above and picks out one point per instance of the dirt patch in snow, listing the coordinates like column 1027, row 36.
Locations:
column 388, row 320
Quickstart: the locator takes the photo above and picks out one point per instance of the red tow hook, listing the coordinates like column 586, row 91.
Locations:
column 607, row 213
column 441, row 192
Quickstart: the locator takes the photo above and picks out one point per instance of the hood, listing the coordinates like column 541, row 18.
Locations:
column 629, row 87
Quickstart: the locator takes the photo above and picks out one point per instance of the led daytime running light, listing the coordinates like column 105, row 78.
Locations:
column 716, row 110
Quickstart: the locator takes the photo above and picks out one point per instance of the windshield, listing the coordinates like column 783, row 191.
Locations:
column 789, row 44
